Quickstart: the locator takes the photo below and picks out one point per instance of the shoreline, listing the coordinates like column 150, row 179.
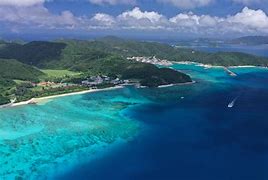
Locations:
column 42, row 99
column 196, row 63
column 39, row 100
column 178, row 84
column 217, row 66
column 227, row 69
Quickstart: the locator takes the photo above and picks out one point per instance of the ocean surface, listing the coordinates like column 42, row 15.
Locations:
column 185, row 132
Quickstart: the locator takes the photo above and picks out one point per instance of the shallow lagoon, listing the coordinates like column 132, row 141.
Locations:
column 38, row 140
column 181, row 132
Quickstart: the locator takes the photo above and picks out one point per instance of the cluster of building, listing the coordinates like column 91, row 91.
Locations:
column 92, row 81
column 49, row 84
column 98, row 80
column 151, row 60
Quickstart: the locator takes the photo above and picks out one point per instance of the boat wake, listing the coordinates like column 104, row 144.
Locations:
column 231, row 104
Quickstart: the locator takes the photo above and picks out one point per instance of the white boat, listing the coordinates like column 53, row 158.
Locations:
column 231, row 104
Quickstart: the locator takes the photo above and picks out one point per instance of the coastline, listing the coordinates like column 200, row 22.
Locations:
column 178, row 84
column 213, row 66
column 227, row 69
column 248, row 66
column 196, row 63
column 42, row 99
column 39, row 100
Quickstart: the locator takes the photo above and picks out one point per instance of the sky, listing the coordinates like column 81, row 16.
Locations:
column 48, row 19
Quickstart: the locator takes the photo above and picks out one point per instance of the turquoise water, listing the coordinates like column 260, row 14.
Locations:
column 191, row 134
column 181, row 132
column 39, row 141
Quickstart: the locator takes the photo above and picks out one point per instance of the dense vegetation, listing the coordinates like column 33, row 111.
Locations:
column 4, row 100
column 232, row 59
column 250, row 40
column 34, row 53
column 152, row 76
column 72, row 61
column 78, row 55
column 13, row 69
column 24, row 93
column 164, row 51
column 5, row 86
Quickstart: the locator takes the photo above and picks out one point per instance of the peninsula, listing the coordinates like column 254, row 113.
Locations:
column 39, row 69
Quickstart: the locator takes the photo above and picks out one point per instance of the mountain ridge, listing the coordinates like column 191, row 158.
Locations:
column 250, row 40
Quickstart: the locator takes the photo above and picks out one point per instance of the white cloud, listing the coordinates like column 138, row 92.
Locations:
column 191, row 23
column 33, row 13
column 112, row 2
column 253, row 19
column 248, row 2
column 246, row 22
column 20, row 2
column 136, row 19
column 187, row 4
column 102, row 21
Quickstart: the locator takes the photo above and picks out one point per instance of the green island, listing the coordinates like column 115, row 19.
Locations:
column 39, row 69
column 250, row 40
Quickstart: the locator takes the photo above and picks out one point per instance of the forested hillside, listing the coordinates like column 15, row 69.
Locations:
column 78, row 54
column 13, row 69
column 104, row 56
column 250, row 40
column 134, row 48
column 34, row 53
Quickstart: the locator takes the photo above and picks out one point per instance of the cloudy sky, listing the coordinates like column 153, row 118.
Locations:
column 178, row 18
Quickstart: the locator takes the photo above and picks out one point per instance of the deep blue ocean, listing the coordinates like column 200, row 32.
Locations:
column 196, row 137
column 183, row 132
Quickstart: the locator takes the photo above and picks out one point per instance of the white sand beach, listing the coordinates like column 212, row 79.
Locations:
column 179, row 84
column 42, row 99
column 248, row 66
column 213, row 66
column 196, row 63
